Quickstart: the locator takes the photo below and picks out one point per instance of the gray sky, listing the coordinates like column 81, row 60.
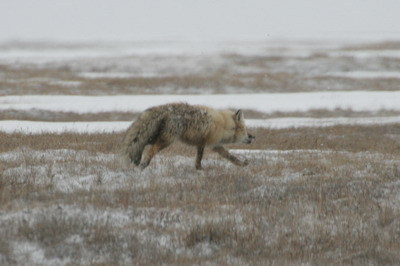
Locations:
column 197, row 19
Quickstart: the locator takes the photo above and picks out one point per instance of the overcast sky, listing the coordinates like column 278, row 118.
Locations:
column 197, row 20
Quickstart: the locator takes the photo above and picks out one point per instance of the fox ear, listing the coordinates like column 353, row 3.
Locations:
column 239, row 115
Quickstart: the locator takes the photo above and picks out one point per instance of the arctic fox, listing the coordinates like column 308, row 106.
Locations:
column 195, row 125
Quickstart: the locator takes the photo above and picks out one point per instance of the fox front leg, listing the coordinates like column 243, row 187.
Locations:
column 225, row 154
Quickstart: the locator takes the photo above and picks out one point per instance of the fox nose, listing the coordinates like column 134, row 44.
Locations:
column 249, row 138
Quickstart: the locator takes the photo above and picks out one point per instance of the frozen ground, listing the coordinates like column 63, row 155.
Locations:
column 372, row 101
column 39, row 52
column 320, row 189
column 197, row 68
column 78, row 207
column 268, row 103
column 35, row 127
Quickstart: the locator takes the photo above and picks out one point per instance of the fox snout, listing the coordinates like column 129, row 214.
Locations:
column 249, row 139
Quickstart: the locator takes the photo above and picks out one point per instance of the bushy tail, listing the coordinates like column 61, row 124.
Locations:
column 142, row 132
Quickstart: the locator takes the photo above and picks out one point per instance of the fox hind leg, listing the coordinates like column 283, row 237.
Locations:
column 134, row 151
column 154, row 148
column 225, row 154
column 135, row 158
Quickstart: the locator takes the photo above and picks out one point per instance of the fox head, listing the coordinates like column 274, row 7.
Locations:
column 241, row 135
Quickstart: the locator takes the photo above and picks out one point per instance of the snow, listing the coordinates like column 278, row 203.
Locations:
column 67, row 171
column 96, row 75
column 33, row 54
column 367, row 74
column 69, row 179
column 370, row 101
column 263, row 102
column 149, row 226
column 29, row 251
column 39, row 127
column 364, row 54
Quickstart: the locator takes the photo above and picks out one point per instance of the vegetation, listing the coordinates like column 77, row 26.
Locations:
column 331, row 200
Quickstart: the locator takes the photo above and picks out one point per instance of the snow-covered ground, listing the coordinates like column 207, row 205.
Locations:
column 267, row 102
column 309, row 201
column 39, row 127
column 368, row 74
column 365, row 54
column 370, row 101
column 88, row 211
column 36, row 53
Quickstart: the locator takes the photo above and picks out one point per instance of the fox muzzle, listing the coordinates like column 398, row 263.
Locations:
column 249, row 139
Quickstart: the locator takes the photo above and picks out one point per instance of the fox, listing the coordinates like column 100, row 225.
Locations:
column 195, row 125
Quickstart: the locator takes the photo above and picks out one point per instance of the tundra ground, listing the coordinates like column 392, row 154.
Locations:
column 309, row 195
column 313, row 195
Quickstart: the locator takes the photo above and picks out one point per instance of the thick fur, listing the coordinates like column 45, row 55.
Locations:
column 199, row 126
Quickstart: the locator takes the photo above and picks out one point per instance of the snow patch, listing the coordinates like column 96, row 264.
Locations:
column 28, row 251
column 364, row 54
column 39, row 127
column 367, row 74
column 96, row 75
column 263, row 102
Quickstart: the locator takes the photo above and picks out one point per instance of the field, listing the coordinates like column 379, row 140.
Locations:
column 322, row 186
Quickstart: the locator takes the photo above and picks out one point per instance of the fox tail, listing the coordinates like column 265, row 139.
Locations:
column 143, row 131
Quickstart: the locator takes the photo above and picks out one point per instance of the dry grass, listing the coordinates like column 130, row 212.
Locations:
column 382, row 139
column 44, row 115
column 388, row 45
column 63, row 81
column 319, row 113
column 104, row 143
column 309, row 196
column 68, row 197
column 224, row 73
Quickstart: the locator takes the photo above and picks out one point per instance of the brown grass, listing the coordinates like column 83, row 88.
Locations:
column 104, row 143
column 309, row 196
column 43, row 115
column 48, row 81
column 387, row 45
column 229, row 73
column 383, row 139
column 308, row 206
